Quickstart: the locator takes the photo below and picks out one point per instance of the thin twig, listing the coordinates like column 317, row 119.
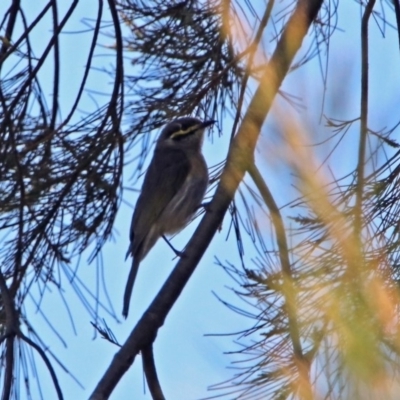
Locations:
column 288, row 288
column 13, row 12
column 253, row 48
column 363, row 119
column 396, row 4
column 46, row 361
column 150, row 372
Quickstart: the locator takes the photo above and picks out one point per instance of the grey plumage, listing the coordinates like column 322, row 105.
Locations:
column 173, row 188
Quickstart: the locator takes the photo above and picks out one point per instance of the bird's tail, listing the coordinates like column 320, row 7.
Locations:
column 129, row 285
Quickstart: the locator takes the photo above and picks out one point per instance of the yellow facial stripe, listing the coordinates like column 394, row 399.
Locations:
column 182, row 132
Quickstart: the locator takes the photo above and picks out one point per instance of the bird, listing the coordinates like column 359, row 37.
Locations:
column 173, row 189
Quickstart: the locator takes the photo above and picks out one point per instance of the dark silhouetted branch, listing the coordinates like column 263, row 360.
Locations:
column 150, row 372
column 363, row 119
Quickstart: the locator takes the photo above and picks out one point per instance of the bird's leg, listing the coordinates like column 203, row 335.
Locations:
column 177, row 252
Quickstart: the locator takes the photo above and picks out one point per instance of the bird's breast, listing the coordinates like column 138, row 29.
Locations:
column 188, row 198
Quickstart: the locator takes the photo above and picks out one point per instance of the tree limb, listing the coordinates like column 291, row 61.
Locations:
column 151, row 373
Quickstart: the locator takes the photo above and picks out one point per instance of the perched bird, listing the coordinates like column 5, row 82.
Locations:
column 172, row 191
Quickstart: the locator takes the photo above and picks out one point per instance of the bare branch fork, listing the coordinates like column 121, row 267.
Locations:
column 240, row 159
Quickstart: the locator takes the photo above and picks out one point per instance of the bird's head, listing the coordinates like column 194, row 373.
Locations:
column 185, row 132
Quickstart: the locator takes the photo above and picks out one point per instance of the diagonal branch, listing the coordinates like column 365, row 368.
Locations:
column 240, row 157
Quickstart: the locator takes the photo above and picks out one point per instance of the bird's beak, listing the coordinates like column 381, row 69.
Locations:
column 205, row 124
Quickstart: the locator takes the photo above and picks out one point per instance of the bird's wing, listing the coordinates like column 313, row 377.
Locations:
column 167, row 172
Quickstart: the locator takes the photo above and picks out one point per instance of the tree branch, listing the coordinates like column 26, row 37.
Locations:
column 288, row 289
column 364, row 120
column 151, row 373
column 11, row 322
column 46, row 361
